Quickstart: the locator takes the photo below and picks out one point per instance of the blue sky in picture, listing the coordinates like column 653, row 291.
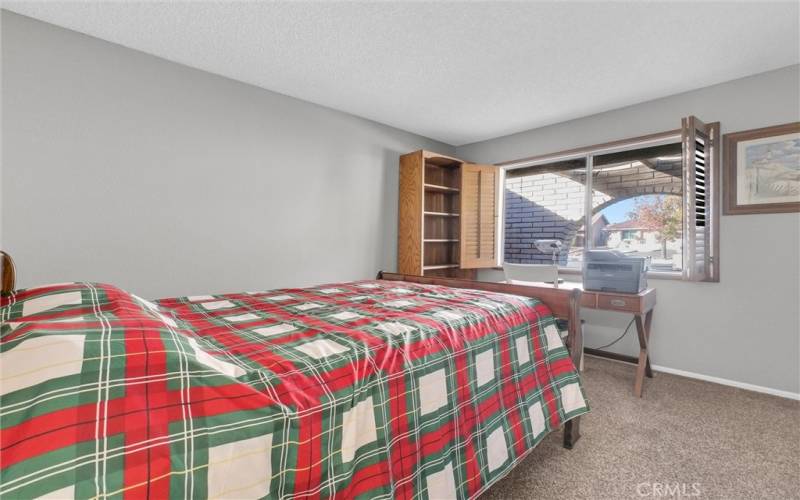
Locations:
column 618, row 212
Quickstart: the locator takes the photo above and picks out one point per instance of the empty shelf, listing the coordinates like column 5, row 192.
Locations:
column 441, row 189
column 439, row 266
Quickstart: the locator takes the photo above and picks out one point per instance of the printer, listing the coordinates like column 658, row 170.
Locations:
column 613, row 271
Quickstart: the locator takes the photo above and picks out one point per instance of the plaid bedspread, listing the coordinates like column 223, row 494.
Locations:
column 371, row 389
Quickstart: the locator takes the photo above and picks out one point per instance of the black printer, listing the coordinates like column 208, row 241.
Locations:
column 613, row 271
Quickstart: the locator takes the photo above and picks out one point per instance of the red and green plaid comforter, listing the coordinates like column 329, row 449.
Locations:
column 371, row 389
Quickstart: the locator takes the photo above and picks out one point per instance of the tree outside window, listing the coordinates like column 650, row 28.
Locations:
column 662, row 214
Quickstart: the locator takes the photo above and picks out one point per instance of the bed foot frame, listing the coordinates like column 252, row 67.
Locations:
column 565, row 304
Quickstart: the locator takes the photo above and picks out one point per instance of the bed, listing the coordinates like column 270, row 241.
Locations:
column 402, row 387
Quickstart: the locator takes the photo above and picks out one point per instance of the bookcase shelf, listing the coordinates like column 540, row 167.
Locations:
column 439, row 266
column 430, row 236
column 441, row 189
column 443, row 214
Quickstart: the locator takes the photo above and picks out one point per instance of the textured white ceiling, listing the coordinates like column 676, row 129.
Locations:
column 457, row 72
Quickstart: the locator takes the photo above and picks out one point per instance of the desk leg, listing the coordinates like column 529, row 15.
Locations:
column 648, row 320
column 643, row 367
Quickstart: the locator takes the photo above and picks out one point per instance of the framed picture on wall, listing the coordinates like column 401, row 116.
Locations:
column 762, row 170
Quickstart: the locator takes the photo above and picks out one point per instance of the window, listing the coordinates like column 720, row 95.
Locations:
column 545, row 202
column 651, row 197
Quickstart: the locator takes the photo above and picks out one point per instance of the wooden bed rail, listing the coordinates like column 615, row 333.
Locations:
column 9, row 273
column 565, row 304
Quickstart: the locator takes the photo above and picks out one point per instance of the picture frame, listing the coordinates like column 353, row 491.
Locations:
column 761, row 170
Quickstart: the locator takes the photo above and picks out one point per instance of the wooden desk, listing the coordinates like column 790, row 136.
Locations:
column 641, row 305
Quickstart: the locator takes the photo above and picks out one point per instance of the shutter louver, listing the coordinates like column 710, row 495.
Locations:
column 699, row 165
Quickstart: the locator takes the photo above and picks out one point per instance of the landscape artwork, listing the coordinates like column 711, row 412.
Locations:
column 768, row 170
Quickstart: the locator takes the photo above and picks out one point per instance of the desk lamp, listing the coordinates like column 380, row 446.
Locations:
column 549, row 246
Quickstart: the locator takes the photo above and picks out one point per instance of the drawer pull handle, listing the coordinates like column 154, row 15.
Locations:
column 618, row 302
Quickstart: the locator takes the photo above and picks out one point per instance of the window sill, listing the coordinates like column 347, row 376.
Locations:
column 568, row 271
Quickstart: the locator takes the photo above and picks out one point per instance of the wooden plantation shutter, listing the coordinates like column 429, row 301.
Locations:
column 700, row 200
column 479, row 184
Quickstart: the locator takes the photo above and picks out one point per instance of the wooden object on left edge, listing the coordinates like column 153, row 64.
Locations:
column 9, row 273
column 448, row 213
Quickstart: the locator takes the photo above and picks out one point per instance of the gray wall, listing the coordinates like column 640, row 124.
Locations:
column 747, row 327
column 125, row 168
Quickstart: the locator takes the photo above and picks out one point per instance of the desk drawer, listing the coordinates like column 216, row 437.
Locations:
column 589, row 300
column 630, row 303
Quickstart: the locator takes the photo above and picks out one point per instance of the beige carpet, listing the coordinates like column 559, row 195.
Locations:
column 684, row 439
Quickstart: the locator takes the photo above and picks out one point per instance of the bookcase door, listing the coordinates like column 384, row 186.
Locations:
column 479, row 213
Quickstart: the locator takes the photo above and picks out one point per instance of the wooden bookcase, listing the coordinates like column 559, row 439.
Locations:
column 431, row 222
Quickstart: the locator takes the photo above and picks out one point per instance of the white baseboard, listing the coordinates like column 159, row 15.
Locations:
column 722, row 381
column 731, row 383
